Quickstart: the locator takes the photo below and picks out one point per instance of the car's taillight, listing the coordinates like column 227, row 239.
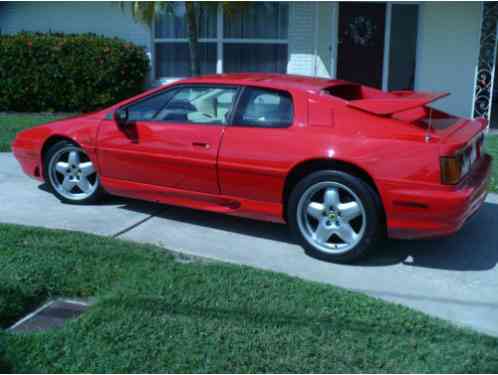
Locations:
column 451, row 169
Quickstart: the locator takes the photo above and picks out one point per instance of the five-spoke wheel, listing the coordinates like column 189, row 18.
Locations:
column 331, row 216
column 334, row 215
column 71, row 174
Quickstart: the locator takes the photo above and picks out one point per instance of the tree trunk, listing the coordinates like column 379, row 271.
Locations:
column 193, row 37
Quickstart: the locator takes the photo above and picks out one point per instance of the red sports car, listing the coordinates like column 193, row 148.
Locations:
column 343, row 164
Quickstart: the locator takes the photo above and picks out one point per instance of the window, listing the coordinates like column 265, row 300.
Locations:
column 199, row 105
column 173, row 59
column 255, row 39
column 253, row 57
column 259, row 20
column 252, row 38
column 170, row 22
column 172, row 56
column 147, row 108
column 264, row 108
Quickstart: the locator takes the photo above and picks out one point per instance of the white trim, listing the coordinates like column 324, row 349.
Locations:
column 472, row 107
column 334, row 46
column 491, row 89
column 315, row 39
column 387, row 47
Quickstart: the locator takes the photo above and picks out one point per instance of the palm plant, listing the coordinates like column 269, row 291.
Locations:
column 145, row 12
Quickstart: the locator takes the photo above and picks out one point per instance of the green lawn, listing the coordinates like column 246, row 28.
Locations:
column 10, row 124
column 155, row 314
column 492, row 148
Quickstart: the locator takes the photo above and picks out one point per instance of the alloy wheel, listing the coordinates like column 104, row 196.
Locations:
column 331, row 217
column 72, row 174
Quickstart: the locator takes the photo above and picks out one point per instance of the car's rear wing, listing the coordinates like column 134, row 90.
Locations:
column 396, row 101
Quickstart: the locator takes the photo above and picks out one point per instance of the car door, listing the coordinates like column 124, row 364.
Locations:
column 171, row 139
column 258, row 146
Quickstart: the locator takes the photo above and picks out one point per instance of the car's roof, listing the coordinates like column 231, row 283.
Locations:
column 310, row 84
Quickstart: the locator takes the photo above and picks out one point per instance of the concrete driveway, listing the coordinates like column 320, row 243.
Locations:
column 454, row 278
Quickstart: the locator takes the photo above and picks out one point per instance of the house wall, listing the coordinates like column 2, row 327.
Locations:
column 103, row 18
column 447, row 52
column 301, row 38
column 325, row 38
column 311, row 38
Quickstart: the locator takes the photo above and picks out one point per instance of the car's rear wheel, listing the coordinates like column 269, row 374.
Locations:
column 71, row 175
column 335, row 216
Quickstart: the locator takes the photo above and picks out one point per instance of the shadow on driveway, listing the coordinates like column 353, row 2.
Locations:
column 473, row 248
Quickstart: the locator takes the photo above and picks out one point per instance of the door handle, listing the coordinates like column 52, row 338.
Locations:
column 201, row 144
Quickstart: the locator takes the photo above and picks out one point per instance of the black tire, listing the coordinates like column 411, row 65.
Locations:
column 95, row 196
column 374, row 226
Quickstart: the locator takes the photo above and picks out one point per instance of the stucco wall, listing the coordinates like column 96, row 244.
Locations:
column 301, row 29
column 447, row 52
column 72, row 17
column 325, row 39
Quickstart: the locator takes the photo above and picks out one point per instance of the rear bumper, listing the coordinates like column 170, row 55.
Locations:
column 439, row 211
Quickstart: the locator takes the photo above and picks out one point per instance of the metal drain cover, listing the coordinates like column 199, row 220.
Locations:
column 51, row 315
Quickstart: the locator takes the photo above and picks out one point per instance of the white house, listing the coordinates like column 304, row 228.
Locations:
column 435, row 46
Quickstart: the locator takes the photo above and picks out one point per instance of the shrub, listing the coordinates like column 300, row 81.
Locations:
column 68, row 72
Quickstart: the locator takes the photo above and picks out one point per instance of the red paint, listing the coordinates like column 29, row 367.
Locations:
column 396, row 101
column 243, row 170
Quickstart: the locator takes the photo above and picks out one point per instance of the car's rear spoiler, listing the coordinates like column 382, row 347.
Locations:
column 396, row 101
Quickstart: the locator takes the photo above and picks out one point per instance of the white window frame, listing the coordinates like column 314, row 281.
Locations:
column 219, row 40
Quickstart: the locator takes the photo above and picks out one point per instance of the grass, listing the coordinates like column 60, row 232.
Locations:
column 155, row 314
column 10, row 124
column 492, row 148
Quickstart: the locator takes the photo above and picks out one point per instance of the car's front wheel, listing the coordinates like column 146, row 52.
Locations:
column 335, row 216
column 71, row 175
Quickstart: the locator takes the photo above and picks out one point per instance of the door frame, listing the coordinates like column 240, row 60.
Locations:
column 387, row 38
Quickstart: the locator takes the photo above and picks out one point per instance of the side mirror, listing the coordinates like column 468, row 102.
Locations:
column 121, row 117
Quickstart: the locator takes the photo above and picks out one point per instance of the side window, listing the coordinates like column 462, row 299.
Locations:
column 264, row 108
column 148, row 108
column 199, row 105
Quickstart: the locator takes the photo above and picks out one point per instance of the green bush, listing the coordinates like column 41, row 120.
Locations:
column 68, row 73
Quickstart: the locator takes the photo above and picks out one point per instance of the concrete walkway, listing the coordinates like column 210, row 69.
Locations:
column 454, row 278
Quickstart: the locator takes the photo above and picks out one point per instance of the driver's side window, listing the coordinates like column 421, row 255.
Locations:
column 199, row 105
column 147, row 109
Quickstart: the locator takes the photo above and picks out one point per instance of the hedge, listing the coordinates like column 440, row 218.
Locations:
column 68, row 72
